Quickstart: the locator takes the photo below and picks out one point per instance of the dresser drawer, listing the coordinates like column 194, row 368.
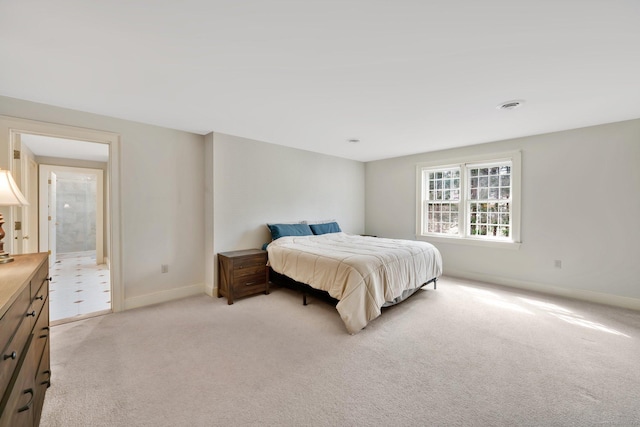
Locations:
column 43, row 381
column 41, row 330
column 13, row 317
column 18, row 405
column 39, row 282
column 12, row 353
column 38, row 298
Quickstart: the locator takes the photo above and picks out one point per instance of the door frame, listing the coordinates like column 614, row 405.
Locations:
column 12, row 127
column 44, row 172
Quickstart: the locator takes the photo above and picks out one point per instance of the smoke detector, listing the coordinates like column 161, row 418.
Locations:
column 510, row 105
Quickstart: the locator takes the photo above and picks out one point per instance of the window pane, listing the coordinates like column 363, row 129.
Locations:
column 442, row 207
column 489, row 195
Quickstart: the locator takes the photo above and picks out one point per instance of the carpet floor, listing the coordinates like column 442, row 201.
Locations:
column 466, row 354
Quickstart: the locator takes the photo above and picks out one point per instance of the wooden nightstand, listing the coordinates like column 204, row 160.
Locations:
column 242, row 273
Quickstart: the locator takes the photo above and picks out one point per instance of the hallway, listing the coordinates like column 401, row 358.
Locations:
column 79, row 287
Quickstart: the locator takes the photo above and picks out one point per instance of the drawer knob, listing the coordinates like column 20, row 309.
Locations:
column 41, row 297
column 33, row 313
column 49, row 279
column 13, row 356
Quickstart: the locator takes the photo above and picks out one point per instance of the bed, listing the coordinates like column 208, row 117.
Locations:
column 362, row 273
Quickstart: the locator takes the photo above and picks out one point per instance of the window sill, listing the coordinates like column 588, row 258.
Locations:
column 497, row 244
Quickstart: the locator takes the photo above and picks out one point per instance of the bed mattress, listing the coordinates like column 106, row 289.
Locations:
column 361, row 272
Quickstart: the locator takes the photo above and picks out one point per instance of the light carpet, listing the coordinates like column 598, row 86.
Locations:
column 466, row 354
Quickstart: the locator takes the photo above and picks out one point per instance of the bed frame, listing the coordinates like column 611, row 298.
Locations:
column 287, row 282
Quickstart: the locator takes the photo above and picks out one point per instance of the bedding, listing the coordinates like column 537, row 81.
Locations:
column 363, row 273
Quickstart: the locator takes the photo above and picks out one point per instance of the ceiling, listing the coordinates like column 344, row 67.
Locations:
column 65, row 148
column 402, row 77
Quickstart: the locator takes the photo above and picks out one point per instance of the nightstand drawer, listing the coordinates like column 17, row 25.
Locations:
column 250, row 280
column 250, row 285
column 249, row 271
column 249, row 262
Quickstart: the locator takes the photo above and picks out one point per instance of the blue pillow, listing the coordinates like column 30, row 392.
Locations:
column 283, row 230
column 329, row 227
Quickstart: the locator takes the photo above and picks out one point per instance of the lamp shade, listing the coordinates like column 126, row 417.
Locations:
column 10, row 194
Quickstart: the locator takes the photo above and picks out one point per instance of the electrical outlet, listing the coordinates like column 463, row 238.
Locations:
column 165, row 268
column 557, row 263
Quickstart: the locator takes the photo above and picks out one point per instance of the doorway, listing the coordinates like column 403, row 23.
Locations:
column 71, row 225
column 69, row 146
column 65, row 217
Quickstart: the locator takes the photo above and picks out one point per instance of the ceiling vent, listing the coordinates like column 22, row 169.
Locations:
column 510, row 105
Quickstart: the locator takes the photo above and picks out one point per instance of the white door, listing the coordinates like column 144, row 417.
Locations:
column 30, row 217
column 51, row 211
column 25, row 172
column 28, row 236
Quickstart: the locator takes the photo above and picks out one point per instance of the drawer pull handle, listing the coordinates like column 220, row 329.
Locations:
column 48, row 380
column 28, row 405
column 251, row 283
column 33, row 313
column 13, row 356
column 41, row 297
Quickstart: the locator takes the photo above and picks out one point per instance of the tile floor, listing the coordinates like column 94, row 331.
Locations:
column 78, row 287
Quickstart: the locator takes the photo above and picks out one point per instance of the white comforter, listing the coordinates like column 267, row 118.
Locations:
column 361, row 272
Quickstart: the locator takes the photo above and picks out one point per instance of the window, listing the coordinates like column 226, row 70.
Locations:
column 472, row 201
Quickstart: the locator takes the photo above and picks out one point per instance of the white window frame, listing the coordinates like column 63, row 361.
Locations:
column 513, row 242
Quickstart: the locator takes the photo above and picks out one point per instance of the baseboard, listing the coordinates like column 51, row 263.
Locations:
column 163, row 296
column 211, row 291
column 579, row 294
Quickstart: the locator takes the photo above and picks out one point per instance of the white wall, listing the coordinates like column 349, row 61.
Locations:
column 580, row 203
column 255, row 183
column 162, row 208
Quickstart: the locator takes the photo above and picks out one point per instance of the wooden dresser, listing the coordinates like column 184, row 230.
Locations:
column 24, row 339
column 242, row 273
